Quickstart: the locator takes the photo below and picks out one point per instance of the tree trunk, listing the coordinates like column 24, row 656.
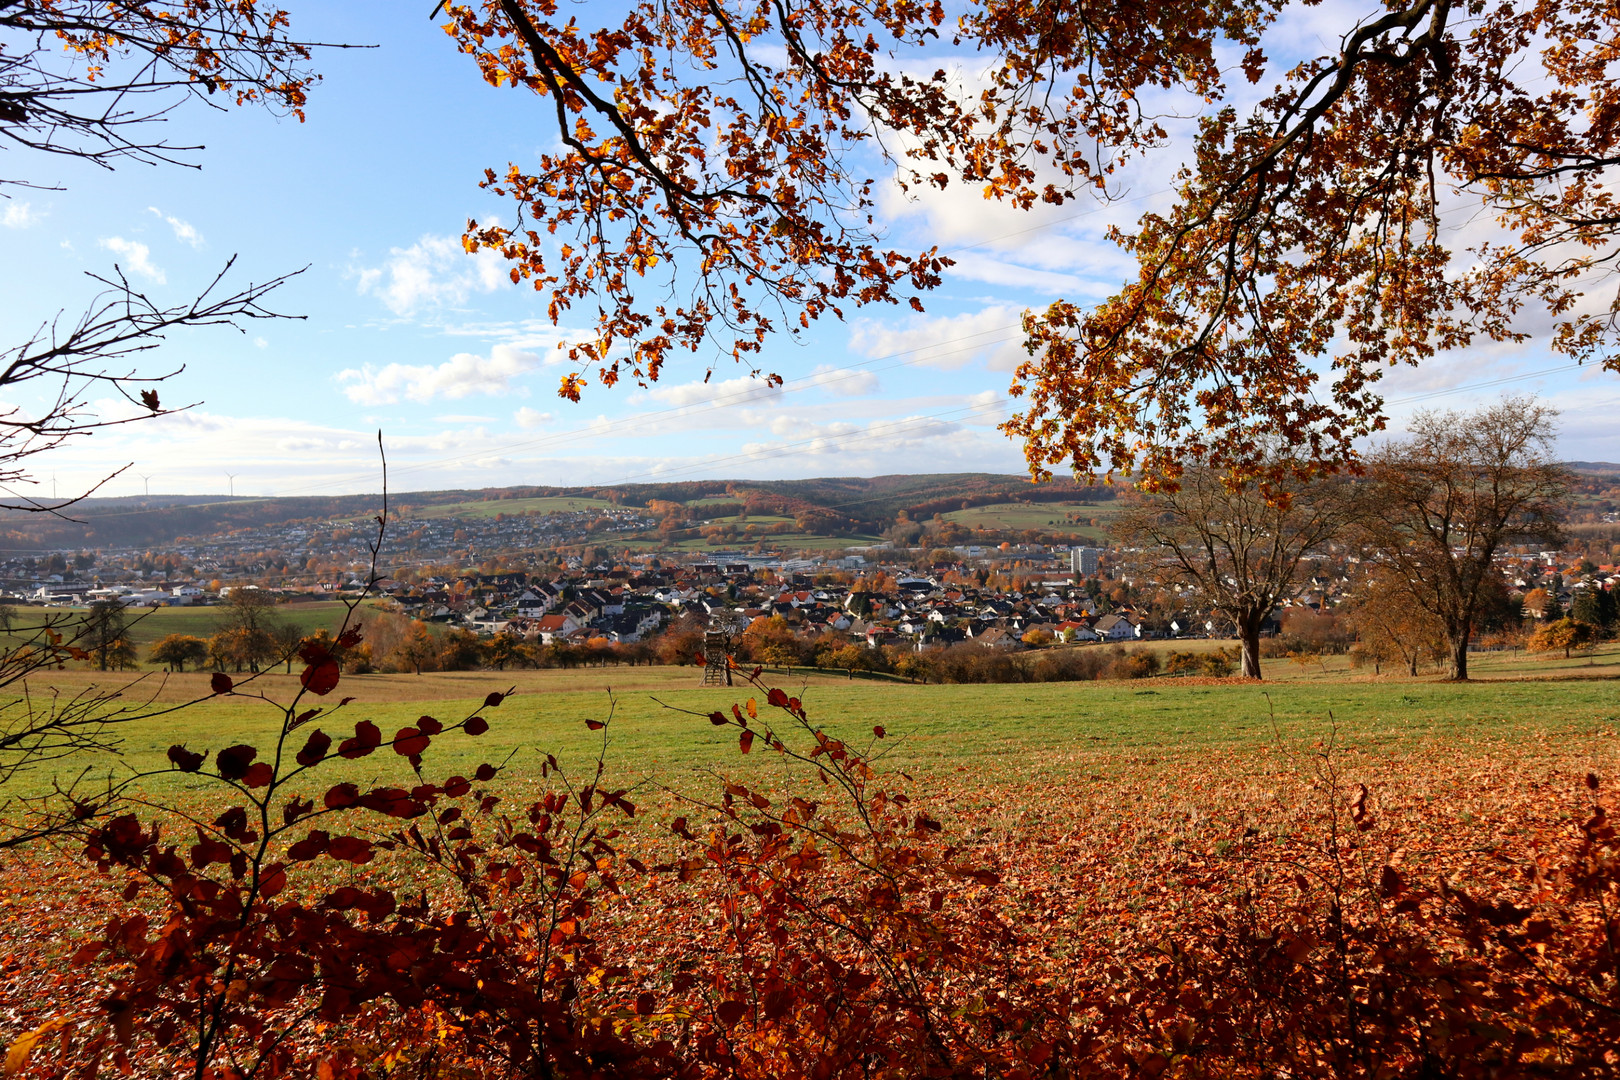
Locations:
column 1248, row 628
column 1459, row 658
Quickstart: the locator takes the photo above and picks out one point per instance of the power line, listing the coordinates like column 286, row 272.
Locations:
column 1483, row 385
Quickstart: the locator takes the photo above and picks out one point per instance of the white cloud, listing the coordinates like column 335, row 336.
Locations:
column 463, row 375
column 529, row 419
column 434, row 271
column 183, row 230
column 994, row 333
column 996, row 272
column 737, row 391
column 19, row 215
column 890, row 437
column 261, row 343
column 463, row 418
column 139, row 257
column 844, row 382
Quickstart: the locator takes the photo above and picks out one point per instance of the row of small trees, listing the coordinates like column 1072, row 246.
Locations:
column 1428, row 518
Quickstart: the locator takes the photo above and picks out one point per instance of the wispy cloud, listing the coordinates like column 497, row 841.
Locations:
column 138, row 258
column 737, row 391
column 183, row 230
column 529, row 419
column 18, row 215
column 432, row 272
column 844, row 382
column 463, row 375
column 948, row 342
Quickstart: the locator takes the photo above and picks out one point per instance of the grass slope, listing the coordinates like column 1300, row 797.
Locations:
column 148, row 626
column 1054, row 733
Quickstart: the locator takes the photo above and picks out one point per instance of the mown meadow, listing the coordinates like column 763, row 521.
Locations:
column 1005, row 730
column 1125, row 878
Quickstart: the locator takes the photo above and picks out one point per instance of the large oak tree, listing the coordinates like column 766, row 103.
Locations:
column 1435, row 180
column 719, row 162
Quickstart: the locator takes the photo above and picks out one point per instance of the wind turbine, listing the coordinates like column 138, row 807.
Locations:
column 230, row 476
column 146, row 482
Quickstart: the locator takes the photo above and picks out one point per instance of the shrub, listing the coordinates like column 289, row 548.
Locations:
column 1565, row 634
column 1137, row 664
column 175, row 651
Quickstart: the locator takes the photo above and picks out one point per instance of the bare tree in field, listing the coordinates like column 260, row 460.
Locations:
column 1446, row 500
column 1240, row 549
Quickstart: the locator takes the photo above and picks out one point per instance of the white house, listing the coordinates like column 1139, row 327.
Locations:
column 1117, row 628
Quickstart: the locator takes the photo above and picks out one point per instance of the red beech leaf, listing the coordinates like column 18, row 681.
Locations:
column 476, row 726
column 184, row 759
column 272, row 880
column 232, row 762
column 367, row 737
column 259, row 774
column 409, row 740
column 746, row 741
column 310, row 847
column 718, row 719
column 595, row 725
column 321, row 678
column 351, row 849
column 221, row 683
column 493, row 700
column 315, row 748
column 313, row 653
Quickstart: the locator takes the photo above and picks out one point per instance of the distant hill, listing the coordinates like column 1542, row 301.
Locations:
column 853, row 504
column 1597, row 468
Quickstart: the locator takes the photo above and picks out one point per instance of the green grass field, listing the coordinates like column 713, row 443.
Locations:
column 148, row 625
column 1046, row 516
column 1049, row 733
column 491, row 507
column 784, row 542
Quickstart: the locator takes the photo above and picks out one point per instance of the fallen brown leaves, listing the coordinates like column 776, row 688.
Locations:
column 1446, row 908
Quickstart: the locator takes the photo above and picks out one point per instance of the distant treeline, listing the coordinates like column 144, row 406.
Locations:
column 830, row 506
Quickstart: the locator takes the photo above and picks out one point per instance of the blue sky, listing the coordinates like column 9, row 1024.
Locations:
column 404, row 332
